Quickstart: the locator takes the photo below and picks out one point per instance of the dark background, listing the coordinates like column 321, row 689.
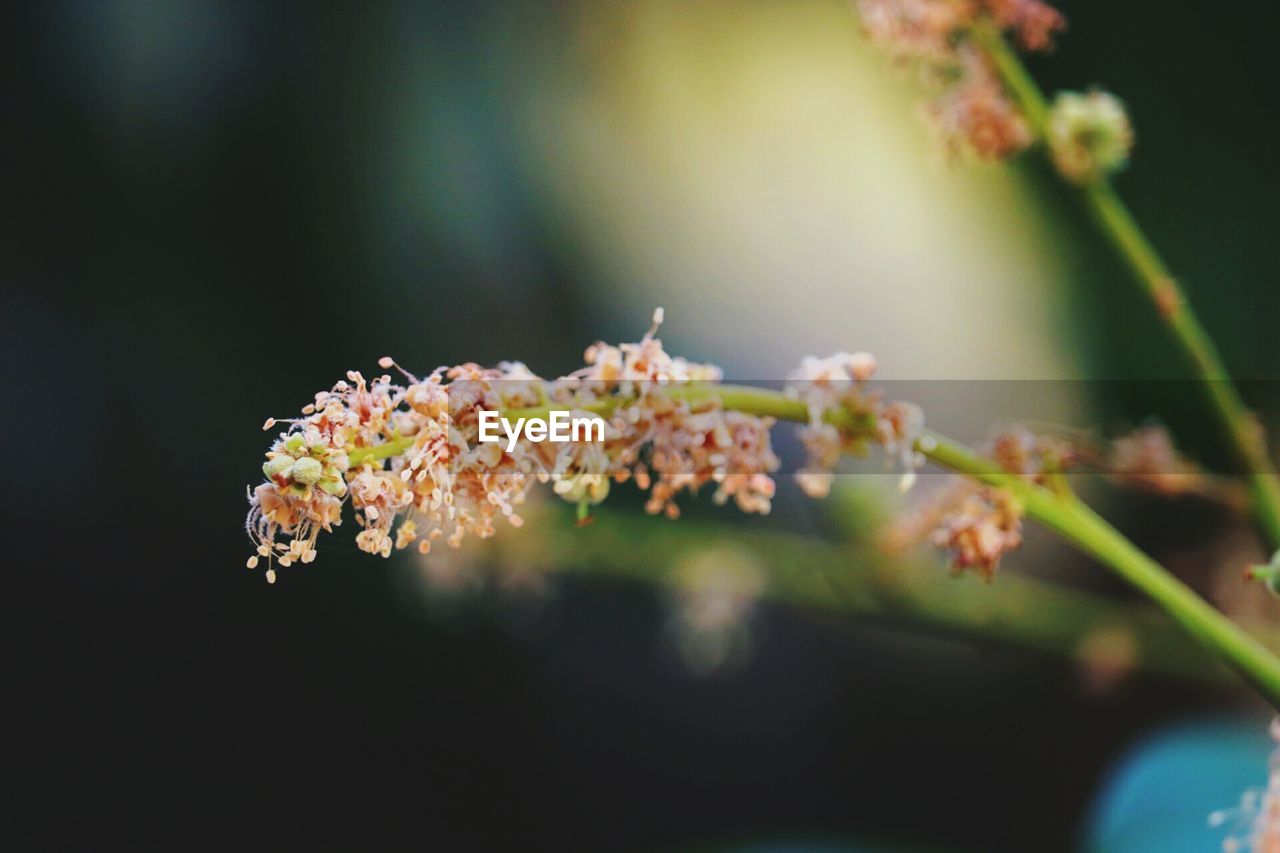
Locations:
column 187, row 253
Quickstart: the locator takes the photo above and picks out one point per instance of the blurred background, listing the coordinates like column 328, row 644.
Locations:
column 214, row 210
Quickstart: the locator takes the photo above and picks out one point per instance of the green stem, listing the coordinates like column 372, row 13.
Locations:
column 1117, row 224
column 1079, row 524
column 378, row 452
column 1243, row 653
column 1060, row 512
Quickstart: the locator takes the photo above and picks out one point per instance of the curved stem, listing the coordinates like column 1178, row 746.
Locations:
column 1246, row 655
column 1117, row 224
column 1061, row 512
column 1076, row 522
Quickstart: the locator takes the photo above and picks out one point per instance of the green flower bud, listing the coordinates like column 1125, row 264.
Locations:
column 583, row 488
column 332, row 486
column 307, row 471
column 277, row 466
column 1089, row 135
column 1268, row 574
column 296, row 445
column 598, row 490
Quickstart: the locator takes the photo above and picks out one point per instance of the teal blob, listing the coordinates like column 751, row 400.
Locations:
column 1159, row 795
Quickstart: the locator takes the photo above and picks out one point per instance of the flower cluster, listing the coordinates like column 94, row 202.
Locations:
column 975, row 524
column 408, row 456
column 978, row 525
column 688, row 443
column 1147, row 459
column 1035, row 457
column 986, row 525
column 972, row 112
column 839, row 383
column 307, row 469
column 1089, row 135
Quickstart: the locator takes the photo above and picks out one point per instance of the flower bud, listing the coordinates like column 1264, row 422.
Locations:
column 277, row 466
column 583, row 488
column 1089, row 135
column 333, row 486
column 1268, row 575
column 307, row 471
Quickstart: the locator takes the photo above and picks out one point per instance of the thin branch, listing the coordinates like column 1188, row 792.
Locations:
column 1149, row 269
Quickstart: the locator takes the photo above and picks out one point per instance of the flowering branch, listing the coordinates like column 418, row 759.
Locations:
column 413, row 462
column 1118, row 225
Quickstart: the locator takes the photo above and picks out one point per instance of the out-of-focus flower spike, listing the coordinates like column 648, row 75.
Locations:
column 971, row 109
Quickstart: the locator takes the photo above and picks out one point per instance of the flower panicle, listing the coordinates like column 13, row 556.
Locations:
column 971, row 111
column 406, row 453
